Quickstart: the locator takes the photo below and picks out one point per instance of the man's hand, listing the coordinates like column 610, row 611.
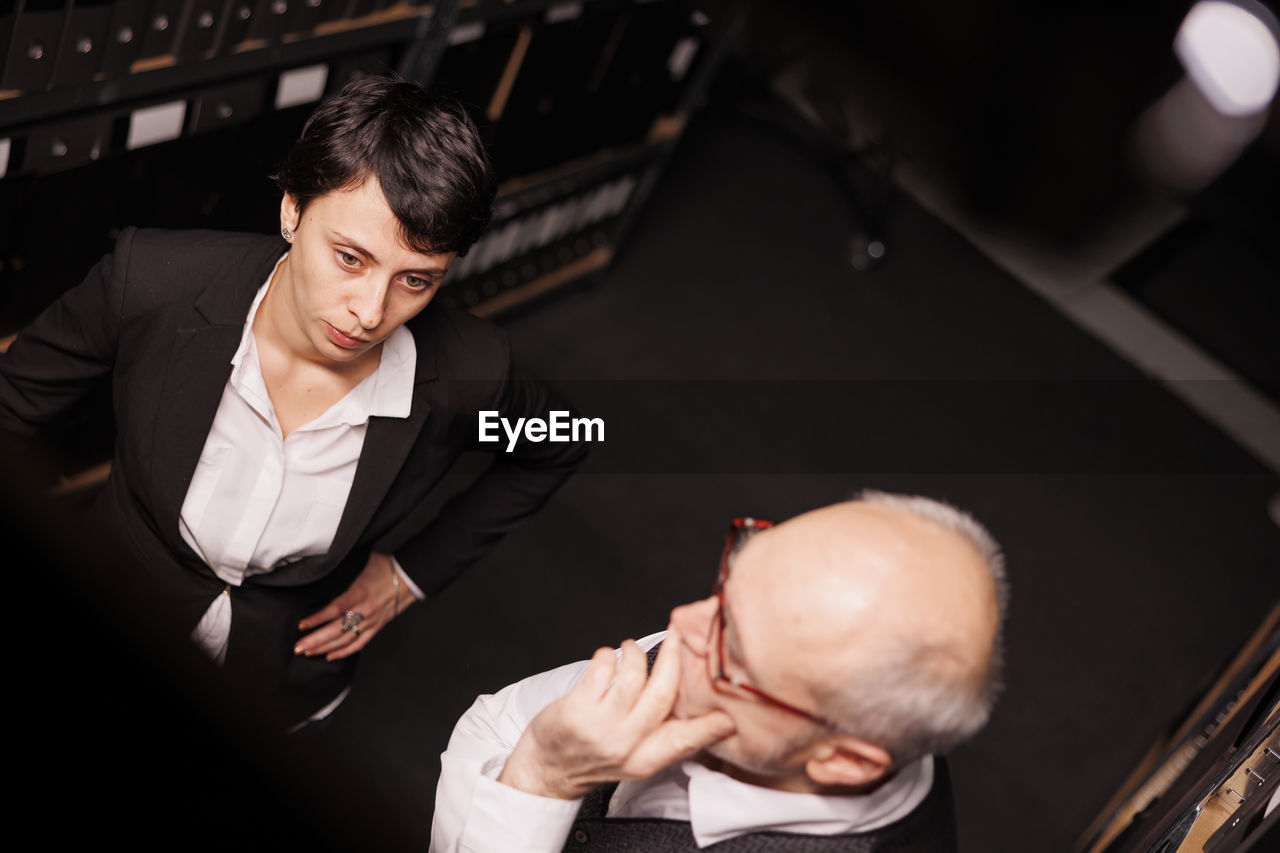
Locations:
column 373, row 595
column 613, row 725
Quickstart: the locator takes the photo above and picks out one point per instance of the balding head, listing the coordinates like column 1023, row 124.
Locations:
column 897, row 604
column 880, row 616
column 885, row 612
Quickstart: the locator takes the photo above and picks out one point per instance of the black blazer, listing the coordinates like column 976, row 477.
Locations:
column 163, row 315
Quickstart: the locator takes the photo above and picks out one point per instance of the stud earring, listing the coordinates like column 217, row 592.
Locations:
column 287, row 235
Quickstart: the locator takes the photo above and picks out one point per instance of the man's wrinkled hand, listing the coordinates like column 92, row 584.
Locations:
column 615, row 724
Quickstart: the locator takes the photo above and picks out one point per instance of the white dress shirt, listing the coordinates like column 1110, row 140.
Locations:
column 476, row 813
column 258, row 499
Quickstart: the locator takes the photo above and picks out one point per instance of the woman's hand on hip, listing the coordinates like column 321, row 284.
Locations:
column 371, row 599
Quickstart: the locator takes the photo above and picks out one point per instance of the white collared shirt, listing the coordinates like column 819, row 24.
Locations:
column 477, row 813
column 259, row 500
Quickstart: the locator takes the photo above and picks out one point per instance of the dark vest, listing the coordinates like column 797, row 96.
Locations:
column 930, row 828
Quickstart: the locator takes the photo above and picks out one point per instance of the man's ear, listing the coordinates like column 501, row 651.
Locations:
column 845, row 761
column 290, row 215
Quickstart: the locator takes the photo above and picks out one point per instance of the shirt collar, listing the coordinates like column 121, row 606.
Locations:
column 392, row 396
column 719, row 807
column 387, row 392
column 756, row 809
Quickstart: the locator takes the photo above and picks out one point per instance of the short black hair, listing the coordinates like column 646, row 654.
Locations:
column 422, row 148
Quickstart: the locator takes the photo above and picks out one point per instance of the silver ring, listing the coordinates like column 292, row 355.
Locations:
column 351, row 621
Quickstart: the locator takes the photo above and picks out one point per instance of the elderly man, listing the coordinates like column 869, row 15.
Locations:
column 799, row 707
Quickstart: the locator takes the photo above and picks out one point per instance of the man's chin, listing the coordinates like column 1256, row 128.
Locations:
column 725, row 753
column 726, row 757
column 718, row 752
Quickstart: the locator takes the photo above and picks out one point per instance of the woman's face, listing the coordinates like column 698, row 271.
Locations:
column 349, row 281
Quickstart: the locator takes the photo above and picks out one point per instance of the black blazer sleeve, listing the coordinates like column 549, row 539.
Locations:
column 60, row 355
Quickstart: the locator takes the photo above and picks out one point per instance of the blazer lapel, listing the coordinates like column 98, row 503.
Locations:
column 194, row 379
column 197, row 373
column 387, row 443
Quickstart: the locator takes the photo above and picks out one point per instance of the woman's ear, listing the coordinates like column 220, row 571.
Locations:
column 845, row 761
column 290, row 214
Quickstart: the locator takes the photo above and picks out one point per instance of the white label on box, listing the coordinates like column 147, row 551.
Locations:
column 160, row 123
column 301, row 86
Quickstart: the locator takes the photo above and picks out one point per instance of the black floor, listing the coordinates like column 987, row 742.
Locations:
column 744, row 368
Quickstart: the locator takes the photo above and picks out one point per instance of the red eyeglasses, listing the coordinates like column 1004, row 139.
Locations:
column 739, row 532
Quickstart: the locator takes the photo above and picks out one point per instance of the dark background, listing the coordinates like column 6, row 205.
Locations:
column 1140, row 550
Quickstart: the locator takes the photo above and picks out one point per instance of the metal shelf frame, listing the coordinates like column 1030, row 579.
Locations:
column 408, row 24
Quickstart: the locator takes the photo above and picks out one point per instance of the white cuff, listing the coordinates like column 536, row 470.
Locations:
column 503, row 818
column 405, row 579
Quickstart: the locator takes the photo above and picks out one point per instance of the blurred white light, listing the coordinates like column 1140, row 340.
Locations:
column 467, row 32
column 1231, row 55
column 682, row 57
column 563, row 12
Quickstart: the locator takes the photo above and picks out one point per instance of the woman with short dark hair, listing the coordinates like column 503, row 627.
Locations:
column 283, row 408
column 423, row 150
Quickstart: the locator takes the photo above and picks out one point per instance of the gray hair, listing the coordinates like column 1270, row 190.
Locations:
column 921, row 698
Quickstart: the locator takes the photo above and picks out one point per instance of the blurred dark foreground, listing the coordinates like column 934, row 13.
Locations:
column 115, row 737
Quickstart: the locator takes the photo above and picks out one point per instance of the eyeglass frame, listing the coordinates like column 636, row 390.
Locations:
column 733, row 543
